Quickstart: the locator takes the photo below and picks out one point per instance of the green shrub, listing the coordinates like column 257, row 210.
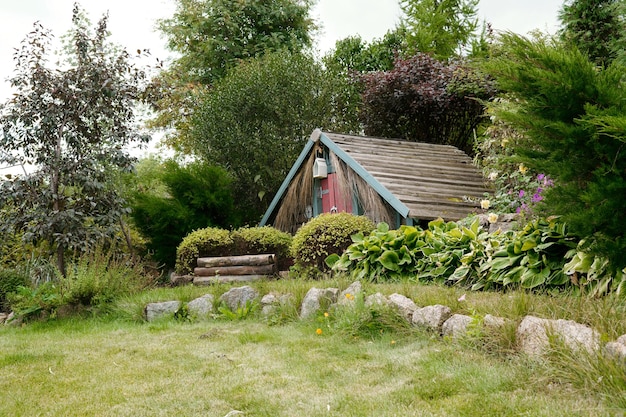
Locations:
column 266, row 239
column 29, row 302
column 210, row 241
column 173, row 200
column 325, row 235
column 100, row 277
column 10, row 280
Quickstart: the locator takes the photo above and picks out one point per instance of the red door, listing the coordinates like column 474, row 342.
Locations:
column 333, row 200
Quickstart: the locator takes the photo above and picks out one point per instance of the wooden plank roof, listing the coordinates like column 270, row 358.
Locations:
column 419, row 180
column 430, row 180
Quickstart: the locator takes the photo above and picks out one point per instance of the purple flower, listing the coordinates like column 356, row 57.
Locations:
column 540, row 177
column 521, row 193
column 536, row 198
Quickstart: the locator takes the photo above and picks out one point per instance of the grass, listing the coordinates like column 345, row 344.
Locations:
column 117, row 365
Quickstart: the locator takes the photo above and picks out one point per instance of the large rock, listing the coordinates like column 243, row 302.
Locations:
column 406, row 307
column 456, row 326
column 271, row 302
column 238, row 297
column 376, row 300
column 312, row 300
column 201, row 307
column 431, row 317
column 349, row 295
column 533, row 335
column 154, row 311
column 617, row 349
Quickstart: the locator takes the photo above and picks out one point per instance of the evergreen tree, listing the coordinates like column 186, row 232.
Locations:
column 596, row 27
column 572, row 116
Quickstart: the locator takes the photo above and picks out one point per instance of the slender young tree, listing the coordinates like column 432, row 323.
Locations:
column 71, row 124
column 443, row 28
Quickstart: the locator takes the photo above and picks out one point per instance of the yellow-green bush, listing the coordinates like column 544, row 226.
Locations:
column 266, row 239
column 210, row 241
column 324, row 235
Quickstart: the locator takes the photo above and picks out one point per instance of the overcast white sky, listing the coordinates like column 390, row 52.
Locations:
column 132, row 21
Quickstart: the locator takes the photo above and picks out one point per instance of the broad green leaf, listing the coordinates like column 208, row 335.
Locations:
column 390, row 260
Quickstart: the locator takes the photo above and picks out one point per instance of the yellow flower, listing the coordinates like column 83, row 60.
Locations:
column 523, row 168
column 485, row 204
column 318, row 332
column 493, row 217
column 349, row 296
column 393, row 342
column 325, row 314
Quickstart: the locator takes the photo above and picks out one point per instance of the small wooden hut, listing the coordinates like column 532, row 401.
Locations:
column 394, row 181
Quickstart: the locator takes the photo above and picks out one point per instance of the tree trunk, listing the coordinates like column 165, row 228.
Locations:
column 242, row 260
column 235, row 270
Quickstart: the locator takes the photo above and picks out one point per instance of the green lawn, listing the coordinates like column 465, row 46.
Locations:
column 93, row 368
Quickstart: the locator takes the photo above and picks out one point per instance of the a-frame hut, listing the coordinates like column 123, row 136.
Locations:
column 394, row 181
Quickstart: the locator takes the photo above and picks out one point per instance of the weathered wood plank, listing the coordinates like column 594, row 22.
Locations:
column 224, row 279
column 235, row 270
column 239, row 260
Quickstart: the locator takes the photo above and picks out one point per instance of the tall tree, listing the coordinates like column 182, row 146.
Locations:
column 71, row 124
column 255, row 121
column 596, row 27
column 443, row 28
column 213, row 36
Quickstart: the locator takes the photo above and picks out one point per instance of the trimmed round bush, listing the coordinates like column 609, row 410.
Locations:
column 266, row 239
column 324, row 235
column 210, row 241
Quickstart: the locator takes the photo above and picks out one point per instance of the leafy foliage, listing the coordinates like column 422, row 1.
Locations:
column 596, row 27
column 173, row 200
column 425, row 100
column 10, row 280
column 324, row 235
column 572, row 115
column 353, row 54
column 450, row 253
column 32, row 302
column 72, row 125
column 256, row 120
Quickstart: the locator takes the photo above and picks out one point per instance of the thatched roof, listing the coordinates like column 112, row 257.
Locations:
column 418, row 180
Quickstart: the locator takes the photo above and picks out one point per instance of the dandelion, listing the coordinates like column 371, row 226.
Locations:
column 326, row 314
column 523, row 169
column 349, row 296
column 318, row 331
column 393, row 342
column 493, row 217
column 485, row 204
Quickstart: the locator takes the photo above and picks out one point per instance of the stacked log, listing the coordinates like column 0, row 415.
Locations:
column 234, row 268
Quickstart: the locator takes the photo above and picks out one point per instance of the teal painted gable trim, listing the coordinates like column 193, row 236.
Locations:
column 287, row 181
column 398, row 205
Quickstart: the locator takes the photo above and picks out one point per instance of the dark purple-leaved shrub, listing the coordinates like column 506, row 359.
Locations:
column 425, row 100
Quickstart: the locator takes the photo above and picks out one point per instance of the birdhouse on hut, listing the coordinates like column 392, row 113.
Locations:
column 393, row 181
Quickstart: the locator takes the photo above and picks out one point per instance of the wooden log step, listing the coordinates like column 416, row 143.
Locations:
column 235, row 270
column 225, row 279
column 241, row 260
